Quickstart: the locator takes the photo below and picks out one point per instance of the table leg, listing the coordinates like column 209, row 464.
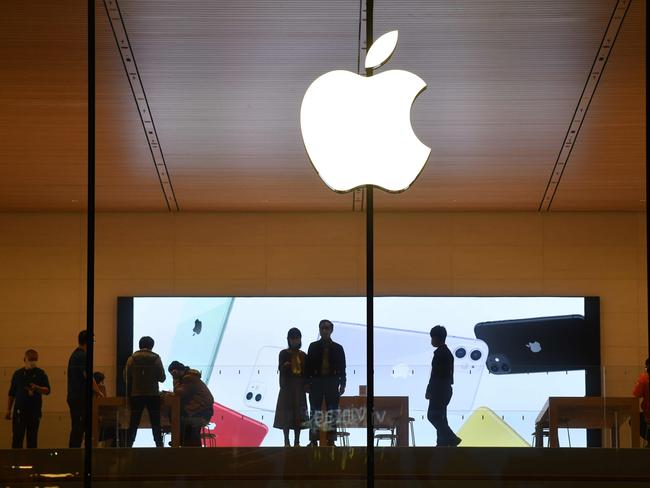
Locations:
column 539, row 436
column 95, row 433
column 553, row 440
column 402, row 431
column 635, row 427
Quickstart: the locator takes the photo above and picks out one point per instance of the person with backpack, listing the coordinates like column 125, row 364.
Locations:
column 143, row 371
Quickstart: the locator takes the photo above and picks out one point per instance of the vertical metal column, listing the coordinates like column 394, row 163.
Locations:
column 370, row 293
column 90, row 248
column 370, row 319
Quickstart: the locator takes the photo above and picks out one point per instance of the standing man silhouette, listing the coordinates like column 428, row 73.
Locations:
column 325, row 381
column 28, row 385
column 439, row 390
column 76, row 397
column 143, row 371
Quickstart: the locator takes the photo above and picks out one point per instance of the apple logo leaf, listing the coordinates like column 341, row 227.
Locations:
column 381, row 50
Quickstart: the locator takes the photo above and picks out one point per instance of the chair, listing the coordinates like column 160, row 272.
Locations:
column 539, row 434
column 342, row 435
column 389, row 433
column 411, row 420
column 208, row 437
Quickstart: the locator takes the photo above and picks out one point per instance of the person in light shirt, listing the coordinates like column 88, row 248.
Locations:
column 642, row 390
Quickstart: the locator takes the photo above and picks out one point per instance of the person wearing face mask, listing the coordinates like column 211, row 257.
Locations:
column 291, row 409
column 197, row 402
column 28, row 385
column 642, row 390
column 325, row 383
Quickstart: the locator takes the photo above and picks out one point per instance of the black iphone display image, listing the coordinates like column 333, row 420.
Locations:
column 533, row 345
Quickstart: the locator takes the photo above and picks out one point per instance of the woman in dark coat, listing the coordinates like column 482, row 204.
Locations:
column 291, row 409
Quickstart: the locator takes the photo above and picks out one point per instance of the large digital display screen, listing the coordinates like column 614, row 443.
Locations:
column 511, row 354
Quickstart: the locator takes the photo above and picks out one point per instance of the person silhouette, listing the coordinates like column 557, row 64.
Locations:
column 642, row 390
column 25, row 400
column 291, row 409
column 325, row 382
column 143, row 371
column 439, row 390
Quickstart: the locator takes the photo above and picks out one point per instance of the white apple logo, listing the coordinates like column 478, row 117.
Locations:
column 357, row 130
column 534, row 346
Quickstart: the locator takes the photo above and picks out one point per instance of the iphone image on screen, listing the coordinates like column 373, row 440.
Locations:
column 263, row 386
column 403, row 363
column 197, row 338
column 233, row 429
column 539, row 344
column 402, row 367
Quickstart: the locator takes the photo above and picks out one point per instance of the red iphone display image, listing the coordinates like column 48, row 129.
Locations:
column 233, row 429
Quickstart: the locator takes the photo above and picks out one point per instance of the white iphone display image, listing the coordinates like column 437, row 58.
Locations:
column 402, row 367
column 403, row 363
column 263, row 386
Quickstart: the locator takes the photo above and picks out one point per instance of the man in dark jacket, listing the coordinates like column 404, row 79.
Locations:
column 439, row 389
column 325, row 382
column 143, row 372
column 76, row 396
column 28, row 385
column 196, row 402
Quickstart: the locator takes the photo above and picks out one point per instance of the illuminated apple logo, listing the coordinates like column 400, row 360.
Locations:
column 534, row 346
column 357, row 130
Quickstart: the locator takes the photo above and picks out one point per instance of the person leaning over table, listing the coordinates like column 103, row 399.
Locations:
column 196, row 402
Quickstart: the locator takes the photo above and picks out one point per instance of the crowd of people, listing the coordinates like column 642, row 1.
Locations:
column 319, row 374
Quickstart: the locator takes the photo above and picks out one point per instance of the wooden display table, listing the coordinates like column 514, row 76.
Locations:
column 588, row 413
column 114, row 411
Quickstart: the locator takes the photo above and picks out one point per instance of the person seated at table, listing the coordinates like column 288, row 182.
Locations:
column 99, row 379
column 196, row 402
column 107, row 435
column 642, row 390
column 291, row 410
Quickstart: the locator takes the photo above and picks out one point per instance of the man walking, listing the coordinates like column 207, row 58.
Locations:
column 439, row 390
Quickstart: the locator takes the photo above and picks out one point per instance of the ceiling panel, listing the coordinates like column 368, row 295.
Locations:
column 606, row 170
column 503, row 81
column 43, row 105
column 225, row 80
column 126, row 178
